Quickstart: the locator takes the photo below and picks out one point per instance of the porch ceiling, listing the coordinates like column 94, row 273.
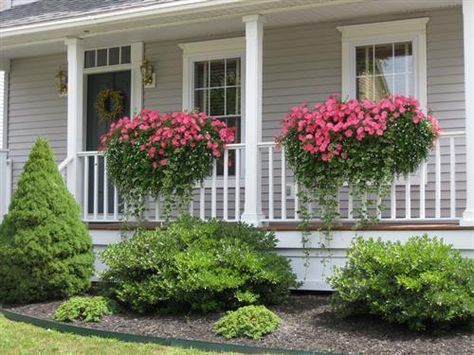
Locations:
column 216, row 21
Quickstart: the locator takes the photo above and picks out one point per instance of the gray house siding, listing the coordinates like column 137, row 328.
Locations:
column 301, row 63
column 35, row 108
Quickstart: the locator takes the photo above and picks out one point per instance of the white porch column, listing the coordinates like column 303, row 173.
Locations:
column 253, row 117
column 75, row 126
column 468, row 22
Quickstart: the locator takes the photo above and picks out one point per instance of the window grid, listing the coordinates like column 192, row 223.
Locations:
column 92, row 57
column 370, row 74
column 207, row 87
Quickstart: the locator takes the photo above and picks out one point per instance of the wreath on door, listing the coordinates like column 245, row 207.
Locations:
column 109, row 98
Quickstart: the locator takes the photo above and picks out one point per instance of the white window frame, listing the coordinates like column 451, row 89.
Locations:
column 412, row 30
column 214, row 50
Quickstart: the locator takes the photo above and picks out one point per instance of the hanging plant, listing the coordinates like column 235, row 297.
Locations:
column 162, row 155
column 109, row 98
column 366, row 144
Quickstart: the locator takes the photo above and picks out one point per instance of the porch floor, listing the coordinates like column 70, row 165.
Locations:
column 347, row 226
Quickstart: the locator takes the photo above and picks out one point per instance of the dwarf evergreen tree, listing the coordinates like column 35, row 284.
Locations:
column 45, row 249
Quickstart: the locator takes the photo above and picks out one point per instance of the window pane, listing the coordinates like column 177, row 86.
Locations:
column 201, row 74
column 381, row 87
column 217, row 73
column 217, row 102
column 101, row 57
column 390, row 73
column 234, row 122
column 233, row 72
column 403, row 57
column 401, row 85
column 365, row 87
column 89, row 59
column 364, row 57
column 233, row 101
column 114, row 54
column 384, row 59
column 125, row 54
column 200, row 100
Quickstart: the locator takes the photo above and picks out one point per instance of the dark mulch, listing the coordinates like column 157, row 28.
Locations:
column 308, row 324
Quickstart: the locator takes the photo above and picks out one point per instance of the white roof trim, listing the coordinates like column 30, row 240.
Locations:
column 159, row 9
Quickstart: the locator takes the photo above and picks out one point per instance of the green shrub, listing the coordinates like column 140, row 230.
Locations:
column 249, row 321
column 88, row 309
column 199, row 266
column 45, row 249
column 421, row 283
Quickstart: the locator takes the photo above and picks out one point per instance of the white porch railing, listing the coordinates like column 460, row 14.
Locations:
column 5, row 182
column 220, row 196
column 435, row 192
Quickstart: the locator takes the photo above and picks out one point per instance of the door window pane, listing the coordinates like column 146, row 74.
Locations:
column 101, row 57
column 114, row 56
column 384, row 69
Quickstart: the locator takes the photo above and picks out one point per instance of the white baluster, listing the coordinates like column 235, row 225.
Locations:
column 393, row 201
column 452, row 177
column 237, row 184
column 438, row 181
column 96, row 186
column 408, row 197
column 214, row 191
column 202, row 202
column 116, row 204
column 226, row 185
column 106, row 191
column 423, row 191
column 283, row 184
column 86, row 187
column 270, row 184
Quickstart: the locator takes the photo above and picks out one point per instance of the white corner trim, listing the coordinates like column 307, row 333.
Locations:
column 413, row 30
column 384, row 28
column 206, row 50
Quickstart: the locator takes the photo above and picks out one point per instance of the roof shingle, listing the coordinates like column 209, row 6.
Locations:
column 50, row 10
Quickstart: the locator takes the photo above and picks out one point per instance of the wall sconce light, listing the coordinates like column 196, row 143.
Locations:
column 148, row 74
column 61, row 83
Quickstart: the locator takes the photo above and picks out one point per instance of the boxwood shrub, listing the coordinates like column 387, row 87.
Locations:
column 88, row 309
column 249, row 321
column 422, row 283
column 198, row 266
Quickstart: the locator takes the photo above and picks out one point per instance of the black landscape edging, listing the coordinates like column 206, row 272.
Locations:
column 178, row 342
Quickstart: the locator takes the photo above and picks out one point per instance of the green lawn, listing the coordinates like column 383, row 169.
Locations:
column 21, row 338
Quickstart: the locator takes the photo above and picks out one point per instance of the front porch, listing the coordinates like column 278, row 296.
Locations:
column 286, row 58
column 434, row 195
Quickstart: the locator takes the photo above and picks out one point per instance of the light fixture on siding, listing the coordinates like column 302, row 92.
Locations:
column 61, row 83
column 148, row 74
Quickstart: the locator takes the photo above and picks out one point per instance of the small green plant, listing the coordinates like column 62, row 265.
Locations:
column 88, row 309
column 422, row 283
column 45, row 248
column 198, row 266
column 249, row 321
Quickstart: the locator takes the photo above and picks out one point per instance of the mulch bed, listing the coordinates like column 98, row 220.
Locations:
column 308, row 324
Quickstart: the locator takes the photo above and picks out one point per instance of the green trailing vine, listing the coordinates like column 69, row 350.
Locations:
column 364, row 144
column 162, row 155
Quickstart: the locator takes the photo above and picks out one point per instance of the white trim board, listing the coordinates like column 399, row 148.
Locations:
column 208, row 50
column 413, row 30
column 136, row 83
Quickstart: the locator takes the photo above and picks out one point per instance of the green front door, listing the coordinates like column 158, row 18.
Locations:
column 96, row 127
